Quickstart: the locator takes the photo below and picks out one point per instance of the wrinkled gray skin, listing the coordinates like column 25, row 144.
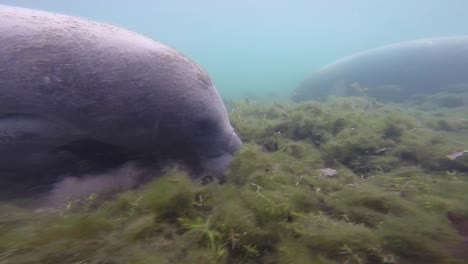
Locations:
column 394, row 72
column 78, row 97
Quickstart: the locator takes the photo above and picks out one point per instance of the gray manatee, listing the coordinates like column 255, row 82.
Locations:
column 394, row 72
column 78, row 97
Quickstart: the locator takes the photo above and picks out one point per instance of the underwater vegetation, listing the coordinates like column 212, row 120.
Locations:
column 347, row 180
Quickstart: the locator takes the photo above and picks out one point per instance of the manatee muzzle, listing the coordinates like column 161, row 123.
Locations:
column 217, row 164
column 234, row 144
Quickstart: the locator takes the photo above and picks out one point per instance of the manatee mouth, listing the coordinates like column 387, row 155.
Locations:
column 218, row 165
column 234, row 144
column 219, row 162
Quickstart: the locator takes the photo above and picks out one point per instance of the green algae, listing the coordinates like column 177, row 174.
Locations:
column 387, row 203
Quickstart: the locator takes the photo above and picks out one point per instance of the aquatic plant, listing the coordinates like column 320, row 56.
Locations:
column 387, row 203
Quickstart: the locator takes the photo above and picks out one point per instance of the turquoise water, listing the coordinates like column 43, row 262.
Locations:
column 263, row 49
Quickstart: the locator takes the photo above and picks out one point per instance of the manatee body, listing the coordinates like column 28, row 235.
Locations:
column 77, row 96
column 394, row 72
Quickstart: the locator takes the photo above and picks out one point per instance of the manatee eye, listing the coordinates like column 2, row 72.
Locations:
column 204, row 127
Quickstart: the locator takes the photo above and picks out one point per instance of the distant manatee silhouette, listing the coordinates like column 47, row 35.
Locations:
column 394, row 72
column 78, row 97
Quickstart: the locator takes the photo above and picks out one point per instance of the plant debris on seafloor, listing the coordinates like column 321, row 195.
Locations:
column 397, row 197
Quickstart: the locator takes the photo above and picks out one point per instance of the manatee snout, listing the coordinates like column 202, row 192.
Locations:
column 215, row 163
column 234, row 144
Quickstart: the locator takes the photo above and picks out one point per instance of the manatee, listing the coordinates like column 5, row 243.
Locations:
column 394, row 72
column 80, row 97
